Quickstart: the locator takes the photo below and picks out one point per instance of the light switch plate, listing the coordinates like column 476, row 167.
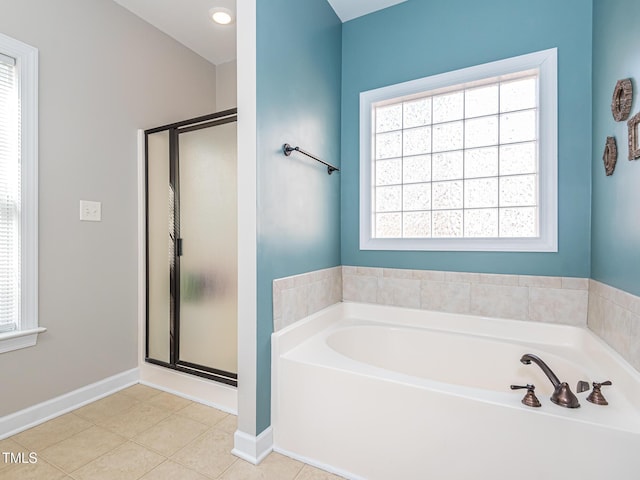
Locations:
column 90, row 211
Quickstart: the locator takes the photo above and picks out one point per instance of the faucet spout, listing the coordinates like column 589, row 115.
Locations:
column 562, row 394
column 527, row 358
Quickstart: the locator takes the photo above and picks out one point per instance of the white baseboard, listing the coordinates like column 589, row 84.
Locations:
column 253, row 449
column 320, row 465
column 215, row 394
column 42, row 412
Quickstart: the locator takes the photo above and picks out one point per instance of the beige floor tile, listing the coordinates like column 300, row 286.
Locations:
column 209, row 454
column 127, row 462
column 135, row 420
column 81, row 448
column 171, row 434
column 141, row 392
column 203, row 414
column 9, row 446
column 51, row 432
column 169, row 402
column 228, row 424
column 311, row 473
column 274, row 467
column 172, row 471
column 40, row 470
column 106, row 407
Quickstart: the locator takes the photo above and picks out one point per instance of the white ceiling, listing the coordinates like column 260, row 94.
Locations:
column 350, row 9
column 188, row 21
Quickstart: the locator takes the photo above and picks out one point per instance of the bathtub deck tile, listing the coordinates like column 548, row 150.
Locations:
column 554, row 305
column 500, row 301
column 445, row 296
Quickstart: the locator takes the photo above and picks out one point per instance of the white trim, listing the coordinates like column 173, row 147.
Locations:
column 247, row 219
column 253, row 449
column 546, row 61
column 215, row 394
column 42, row 412
column 228, row 407
column 27, row 67
column 320, row 465
column 19, row 339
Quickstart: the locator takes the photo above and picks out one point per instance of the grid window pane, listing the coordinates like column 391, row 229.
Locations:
column 388, row 145
column 416, row 141
column 518, row 222
column 481, row 101
column 388, row 199
column 481, row 162
column 416, row 196
column 518, row 127
column 417, row 113
column 458, row 164
column 388, row 118
column 448, row 165
column 518, row 191
column 481, row 192
column 416, row 224
column 389, row 172
column 518, row 158
column 447, row 136
column 518, row 95
column 481, row 223
column 481, row 132
column 416, row 169
column 447, row 224
column 447, row 195
column 448, row 107
column 388, row 225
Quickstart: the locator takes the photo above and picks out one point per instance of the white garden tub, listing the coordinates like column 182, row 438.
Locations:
column 383, row 393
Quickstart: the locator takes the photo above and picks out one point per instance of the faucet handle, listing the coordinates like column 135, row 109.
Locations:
column 582, row 386
column 530, row 399
column 596, row 395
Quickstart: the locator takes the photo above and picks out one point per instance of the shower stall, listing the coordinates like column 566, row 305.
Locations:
column 191, row 248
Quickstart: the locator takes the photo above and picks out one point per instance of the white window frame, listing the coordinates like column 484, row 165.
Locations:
column 27, row 76
column 547, row 241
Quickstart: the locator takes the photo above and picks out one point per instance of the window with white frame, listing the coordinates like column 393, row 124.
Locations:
column 18, row 195
column 465, row 160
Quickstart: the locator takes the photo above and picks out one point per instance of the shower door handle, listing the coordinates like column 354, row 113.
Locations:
column 179, row 247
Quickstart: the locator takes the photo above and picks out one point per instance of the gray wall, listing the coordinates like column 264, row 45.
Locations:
column 104, row 73
column 226, row 85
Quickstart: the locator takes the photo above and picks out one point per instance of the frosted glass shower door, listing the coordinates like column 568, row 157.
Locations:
column 208, row 256
column 160, row 245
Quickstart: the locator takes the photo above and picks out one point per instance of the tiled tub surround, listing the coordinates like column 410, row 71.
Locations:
column 614, row 315
column 522, row 297
column 299, row 296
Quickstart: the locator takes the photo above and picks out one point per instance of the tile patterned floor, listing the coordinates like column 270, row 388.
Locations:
column 141, row 433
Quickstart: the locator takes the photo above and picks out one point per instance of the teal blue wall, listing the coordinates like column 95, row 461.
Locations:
column 298, row 102
column 615, row 255
column 420, row 38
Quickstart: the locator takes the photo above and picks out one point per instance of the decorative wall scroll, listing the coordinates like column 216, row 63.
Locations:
column 610, row 156
column 634, row 147
column 621, row 101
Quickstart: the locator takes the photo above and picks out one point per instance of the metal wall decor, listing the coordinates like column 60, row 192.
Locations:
column 610, row 156
column 621, row 101
column 634, row 147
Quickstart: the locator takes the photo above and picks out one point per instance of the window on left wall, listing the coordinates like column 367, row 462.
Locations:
column 19, row 326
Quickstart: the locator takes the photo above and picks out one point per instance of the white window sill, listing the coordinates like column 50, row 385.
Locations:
column 19, row 339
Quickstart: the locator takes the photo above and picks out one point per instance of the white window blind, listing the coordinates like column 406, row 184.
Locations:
column 9, row 197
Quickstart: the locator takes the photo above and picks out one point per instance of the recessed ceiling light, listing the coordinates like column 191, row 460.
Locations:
column 221, row 16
